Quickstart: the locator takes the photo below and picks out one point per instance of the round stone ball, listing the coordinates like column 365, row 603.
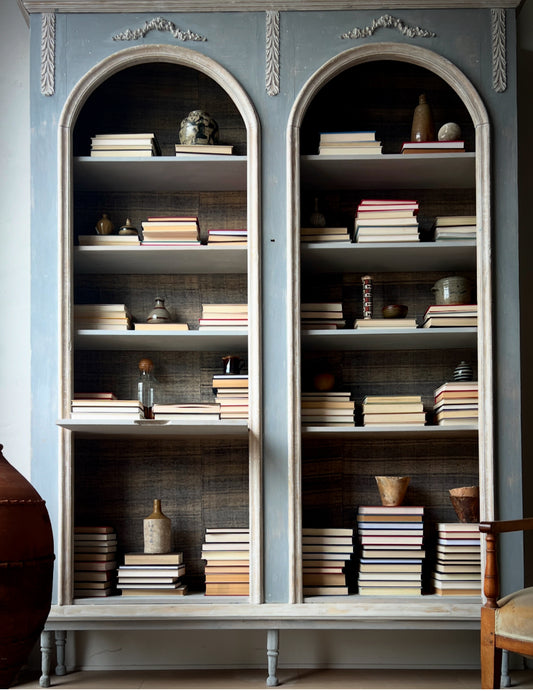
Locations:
column 198, row 128
column 449, row 132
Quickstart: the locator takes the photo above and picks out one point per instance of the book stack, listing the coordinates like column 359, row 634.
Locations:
column 456, row 403
column 187, row 412
column 108, row 240
column 170, row 230
column 100, row 408
column 325, row 552
column 231, row 393
column 95, row 565
column 348, row 143
column 144, row 575
column 237, row 237
column 455, row 228
column 209, row 149
column 449, row 316
column 392, row 551
column 114, row 317
column 386, row 221
column 326, row 234
column 322, row 315
column 227, row 561
column 330, row 408
column 125, row 145
column 393, row 410
column 221, row 317
column 438, row 147
column 458, row 568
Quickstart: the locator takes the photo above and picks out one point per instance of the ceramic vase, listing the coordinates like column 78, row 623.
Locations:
column 104, row 226
column 26, row 569
column 317, row 218
column 158, row 313
column 198, row 127
column 422, row 129
column 392, row 488
column 465, row 501
column 157, row 531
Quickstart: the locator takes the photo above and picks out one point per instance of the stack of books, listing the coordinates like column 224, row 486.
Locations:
column 187, row 412
column 171, row 230
column 231, row 394
column 209, row 149
column 393, row 410
column 330, row 408
column 100, row 408
column 144, row 575
column 438, row 147
column 456, row 403
column 348, row 143
column 325, row 552
column 227, row 561
column 95, row 565
column 326, row 234
column 455, row 228
column 458, row 567
column 322, row 315
column 114, row 317
column 386, row 221
column 382, row 323
column 237, row 237
column 108, row 240
column 221, row 317
column 125, row 145
column 392, row 551
column 450, row 316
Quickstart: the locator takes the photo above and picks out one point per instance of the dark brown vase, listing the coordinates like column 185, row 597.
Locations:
column 26, row 569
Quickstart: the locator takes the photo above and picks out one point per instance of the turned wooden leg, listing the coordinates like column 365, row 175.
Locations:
column 491, row 657
column 61, row 637
column 46, row 658
column 272, row 657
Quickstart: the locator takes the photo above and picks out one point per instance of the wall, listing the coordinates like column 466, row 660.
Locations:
column 458, row 649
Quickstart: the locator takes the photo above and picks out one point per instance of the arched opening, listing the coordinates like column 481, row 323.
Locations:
column 376, row 87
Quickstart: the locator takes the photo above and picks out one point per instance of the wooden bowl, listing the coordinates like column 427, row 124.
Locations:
column 394, row 311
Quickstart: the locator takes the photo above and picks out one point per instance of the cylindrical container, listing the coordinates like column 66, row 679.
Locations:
column 392, row 488
column 26, row 569
column 452, row 290
column 157, row 531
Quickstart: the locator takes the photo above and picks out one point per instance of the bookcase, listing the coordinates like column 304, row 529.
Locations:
column 272, row 474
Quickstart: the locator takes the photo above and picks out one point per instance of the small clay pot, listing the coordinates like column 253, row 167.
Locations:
column 465, row 501
column 394, row 311
column 392, row 488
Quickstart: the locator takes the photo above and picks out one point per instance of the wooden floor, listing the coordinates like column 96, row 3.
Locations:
column 289, row 679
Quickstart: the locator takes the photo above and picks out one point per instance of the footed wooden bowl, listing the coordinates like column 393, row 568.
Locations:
column 394, row 311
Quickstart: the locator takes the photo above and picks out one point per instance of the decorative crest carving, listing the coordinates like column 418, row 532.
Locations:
column 272, row 52
column 388, row 22
column 499, row 57
column 48, row 53
column 158, row 24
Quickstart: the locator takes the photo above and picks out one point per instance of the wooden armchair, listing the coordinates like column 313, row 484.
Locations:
column 507, row 623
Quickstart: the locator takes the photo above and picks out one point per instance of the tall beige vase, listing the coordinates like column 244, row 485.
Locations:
column 392, row 488
column 157, row 531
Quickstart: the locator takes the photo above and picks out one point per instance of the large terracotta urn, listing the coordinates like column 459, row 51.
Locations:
column 26, row 569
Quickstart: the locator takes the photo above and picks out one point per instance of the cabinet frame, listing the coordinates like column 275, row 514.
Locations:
column 109, row 66
column 446, row 70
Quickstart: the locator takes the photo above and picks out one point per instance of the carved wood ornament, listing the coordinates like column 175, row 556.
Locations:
column 48, row 52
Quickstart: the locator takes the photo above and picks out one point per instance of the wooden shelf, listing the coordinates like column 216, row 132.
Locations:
column 405, row 432
column 160, row 260
column 390, row 339
column 350, row 257
column 393, row 171
column 154, row 429
column 161, row 174
column 93, row 339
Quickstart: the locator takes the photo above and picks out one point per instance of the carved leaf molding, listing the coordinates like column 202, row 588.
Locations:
column 386, row 21
column 499, row 56
column 272, row 52
column 158, row 24
column 48, row 53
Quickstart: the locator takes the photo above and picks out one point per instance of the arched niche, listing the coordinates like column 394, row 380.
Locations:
column 94, row 91
column 302, row 139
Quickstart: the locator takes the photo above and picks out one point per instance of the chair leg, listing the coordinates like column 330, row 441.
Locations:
column 491, row 657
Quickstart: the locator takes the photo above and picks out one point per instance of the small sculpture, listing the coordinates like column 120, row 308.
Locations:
column 463, row 372
column 449, row 132
column 127, row 229
column 198, row 128
column 367, row 297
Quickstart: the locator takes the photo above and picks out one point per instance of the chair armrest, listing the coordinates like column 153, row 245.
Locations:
column 491, row 585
